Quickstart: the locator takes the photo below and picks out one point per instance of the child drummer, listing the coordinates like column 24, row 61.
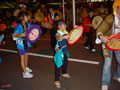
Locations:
column 21, row 44
column 62, row 35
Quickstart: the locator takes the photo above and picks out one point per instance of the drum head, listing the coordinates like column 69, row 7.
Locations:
column 75, row 35
column 60, row 16
column 114, row 43
column 47, row 25
column 97, row 20
column 39, row 16
column 33, row 33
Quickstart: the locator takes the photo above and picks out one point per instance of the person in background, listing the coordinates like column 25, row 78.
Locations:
column 3, row 28
column 1, row 38
column 90, row 6
column 79, row 15
column 46, row 19
column 88, row 29
column 54, row 18
column 103, row 12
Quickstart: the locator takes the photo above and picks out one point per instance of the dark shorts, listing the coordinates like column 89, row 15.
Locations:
column 23, row 52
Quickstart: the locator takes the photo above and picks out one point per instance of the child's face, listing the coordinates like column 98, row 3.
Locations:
column 62, row 27
column 25, row 18
column 91, row 14
column 51, row 10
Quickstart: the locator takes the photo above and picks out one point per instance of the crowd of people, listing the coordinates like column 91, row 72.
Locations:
column 59, row 35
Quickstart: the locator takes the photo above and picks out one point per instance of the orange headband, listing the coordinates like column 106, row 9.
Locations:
column 115, row 4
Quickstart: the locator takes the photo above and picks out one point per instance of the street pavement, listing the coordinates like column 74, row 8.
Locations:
column 84, row 76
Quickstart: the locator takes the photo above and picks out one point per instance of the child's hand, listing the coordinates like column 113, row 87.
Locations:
column 23, row 34
column 66, row 36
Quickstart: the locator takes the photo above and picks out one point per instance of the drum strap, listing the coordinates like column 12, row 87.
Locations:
column 24, row 41
column 113, row 24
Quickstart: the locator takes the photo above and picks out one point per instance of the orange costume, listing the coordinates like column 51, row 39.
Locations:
column 48, row 19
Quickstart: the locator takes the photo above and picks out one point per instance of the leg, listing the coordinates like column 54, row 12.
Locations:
column 26, row 60
column 23, row 63
column 57, row 76
column 53, row 39
column 91, row 39
column 43, row 31
column 57, row 73
column 117, row 73
column 87, row 41
column 106, row 73
column 64, row 67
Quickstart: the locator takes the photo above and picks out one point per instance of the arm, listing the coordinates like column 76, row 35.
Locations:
column 59, row 37
column 17, row 32
column 103, row 38
column 20, row 35
column 104, row 30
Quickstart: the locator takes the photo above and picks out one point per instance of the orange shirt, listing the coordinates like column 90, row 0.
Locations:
column 48, row 19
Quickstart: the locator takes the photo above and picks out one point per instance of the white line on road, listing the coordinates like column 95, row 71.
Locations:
column 48, row 56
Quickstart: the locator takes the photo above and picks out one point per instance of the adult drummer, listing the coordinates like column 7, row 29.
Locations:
column 22, row 45
column 111, row 24
column 54, row 18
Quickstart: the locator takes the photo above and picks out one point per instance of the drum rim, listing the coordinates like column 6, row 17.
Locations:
column 109, row 47
column 29, row 30
column 46, row 27
column 79, row 36
column 36, row 16
column 94, row 26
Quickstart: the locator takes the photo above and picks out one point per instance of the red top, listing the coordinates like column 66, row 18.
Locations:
column 87, row 21
column 2, row 27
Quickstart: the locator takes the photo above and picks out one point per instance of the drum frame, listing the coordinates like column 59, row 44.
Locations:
column 29, row 30
column 112, row 48
column 78, row 37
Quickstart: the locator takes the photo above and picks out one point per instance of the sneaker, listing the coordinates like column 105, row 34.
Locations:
column 66, row 75
column 118, row 79
column 27, row 75
column 28, row 69
column 57, row 84
column 93, row 50
column 86, row 47
column 105, row 87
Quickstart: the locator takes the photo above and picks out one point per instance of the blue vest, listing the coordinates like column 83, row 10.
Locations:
column 19, row 42
column 62, row 43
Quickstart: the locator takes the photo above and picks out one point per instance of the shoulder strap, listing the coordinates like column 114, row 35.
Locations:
column 113, row 24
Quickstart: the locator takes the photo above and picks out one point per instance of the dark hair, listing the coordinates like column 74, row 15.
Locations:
column 52, row 7
column 22, row 14
column 60, row 23
column 90, row 10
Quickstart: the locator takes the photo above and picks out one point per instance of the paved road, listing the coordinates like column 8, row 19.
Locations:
column 84, row 76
